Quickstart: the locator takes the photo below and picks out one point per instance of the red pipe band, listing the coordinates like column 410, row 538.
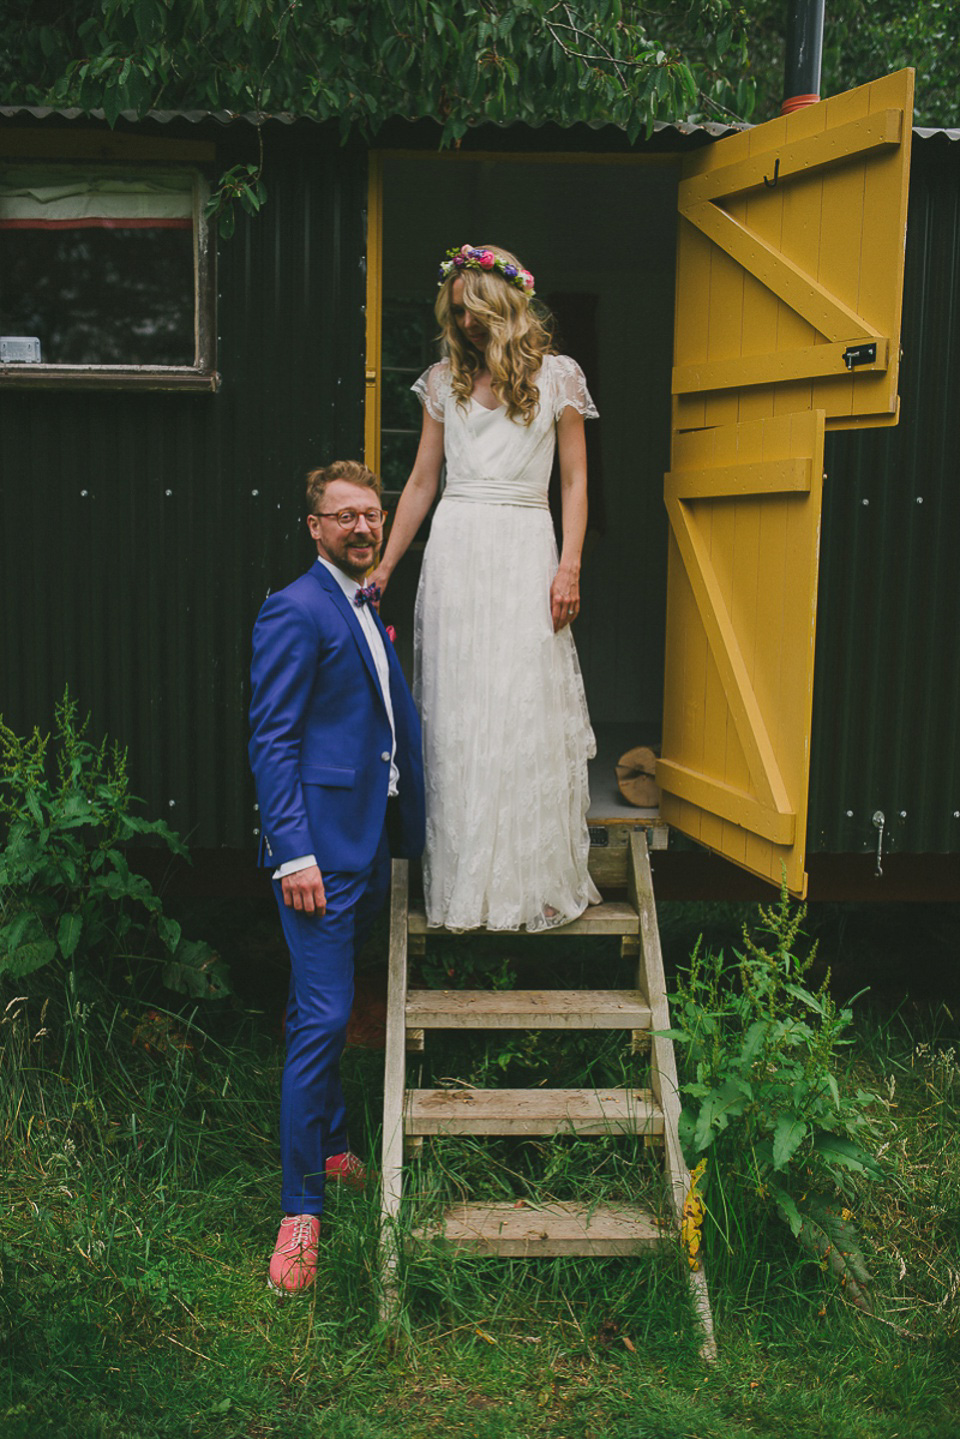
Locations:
column 798, row 102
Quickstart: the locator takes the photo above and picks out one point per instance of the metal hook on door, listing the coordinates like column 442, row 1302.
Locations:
column 771, row 184
column 879, row 819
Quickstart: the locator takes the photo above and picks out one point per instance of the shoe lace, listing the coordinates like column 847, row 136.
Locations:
column 301, row 1232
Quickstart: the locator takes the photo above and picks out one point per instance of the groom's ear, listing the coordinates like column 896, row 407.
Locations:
column 313, row 525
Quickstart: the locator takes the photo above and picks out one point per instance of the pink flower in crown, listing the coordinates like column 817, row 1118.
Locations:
column 527, row 278
column 466, row 250
column 487, row 259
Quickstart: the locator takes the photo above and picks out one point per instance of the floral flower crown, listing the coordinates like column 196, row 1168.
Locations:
column 468, row 258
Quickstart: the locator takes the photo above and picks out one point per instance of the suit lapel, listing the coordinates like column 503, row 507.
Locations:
column 326, row 580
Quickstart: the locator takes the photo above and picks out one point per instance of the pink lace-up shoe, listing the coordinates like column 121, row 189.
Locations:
column 294, row 1263
column 346, row 1169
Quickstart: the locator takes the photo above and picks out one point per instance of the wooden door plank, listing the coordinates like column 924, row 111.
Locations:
column 814, row 302
column 769, row 275
column 878, row 131
column 842, row 220
column 748, row 588
column 725, row 649
column 882, row 254
column 729, row 802
column 778, row 367
column 716, row 738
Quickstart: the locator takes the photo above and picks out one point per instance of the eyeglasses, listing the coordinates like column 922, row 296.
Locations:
column 349, row 519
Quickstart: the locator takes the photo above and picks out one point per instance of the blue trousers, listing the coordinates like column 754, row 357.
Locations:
column 313, row 1121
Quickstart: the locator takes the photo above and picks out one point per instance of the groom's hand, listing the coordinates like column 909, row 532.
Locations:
column 303, row 890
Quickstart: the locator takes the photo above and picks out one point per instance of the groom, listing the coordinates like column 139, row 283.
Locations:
column 335, row 752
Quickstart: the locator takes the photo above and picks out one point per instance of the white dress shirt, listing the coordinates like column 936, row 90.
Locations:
column 378, row 654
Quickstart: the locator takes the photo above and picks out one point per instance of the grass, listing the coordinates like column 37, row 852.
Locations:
column 139, row 1208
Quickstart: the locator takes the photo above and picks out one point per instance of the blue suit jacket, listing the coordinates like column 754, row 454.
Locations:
column 320, row 737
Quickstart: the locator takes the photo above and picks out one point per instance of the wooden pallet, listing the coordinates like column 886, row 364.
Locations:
column 410, row 1114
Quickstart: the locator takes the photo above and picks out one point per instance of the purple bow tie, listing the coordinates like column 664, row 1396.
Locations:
column 367, row 595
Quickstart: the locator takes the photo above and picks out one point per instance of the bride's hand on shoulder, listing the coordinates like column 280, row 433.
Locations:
column 564, row 597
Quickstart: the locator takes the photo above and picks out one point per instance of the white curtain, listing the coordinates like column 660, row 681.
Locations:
column 56, row 196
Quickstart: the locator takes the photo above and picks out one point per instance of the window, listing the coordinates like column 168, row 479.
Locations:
column 105, row 277
column 409, row 346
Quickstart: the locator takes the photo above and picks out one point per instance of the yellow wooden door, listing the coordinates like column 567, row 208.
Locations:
column 790, row 264
column 744, row 507
column 789, row 291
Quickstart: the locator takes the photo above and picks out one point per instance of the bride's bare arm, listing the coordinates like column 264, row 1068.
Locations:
column 572, row 452
column 416, row 499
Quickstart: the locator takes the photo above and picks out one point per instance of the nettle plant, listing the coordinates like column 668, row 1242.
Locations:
column 66, row 887
column 762, row 1098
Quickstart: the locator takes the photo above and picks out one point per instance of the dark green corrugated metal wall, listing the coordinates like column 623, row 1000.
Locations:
column 140, row 532
column 886, row 732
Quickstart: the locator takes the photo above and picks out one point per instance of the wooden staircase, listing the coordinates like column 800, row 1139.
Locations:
column 411, row 1114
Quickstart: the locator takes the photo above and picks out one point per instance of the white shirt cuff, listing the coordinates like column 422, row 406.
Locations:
column 292, row 866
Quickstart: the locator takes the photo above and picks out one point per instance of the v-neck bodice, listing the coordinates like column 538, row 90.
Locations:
column 490, row 458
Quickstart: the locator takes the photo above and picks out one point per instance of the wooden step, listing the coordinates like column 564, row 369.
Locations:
column 531, row 1111
column 611, row 917
column 529, row 1230
column 527, row 1009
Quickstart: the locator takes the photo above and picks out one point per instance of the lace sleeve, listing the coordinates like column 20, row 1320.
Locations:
column 432, row 389
column 570, row 388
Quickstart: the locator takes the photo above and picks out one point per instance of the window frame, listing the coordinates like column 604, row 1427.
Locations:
column 88, row 149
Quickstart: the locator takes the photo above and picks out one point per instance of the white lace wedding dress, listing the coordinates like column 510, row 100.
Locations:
column 505, row 725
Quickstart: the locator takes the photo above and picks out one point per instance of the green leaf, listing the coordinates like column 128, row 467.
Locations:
column 717, row 1109
column 753, row 1042
column 833, row 1243
column 68, row 935
column 787, row 1209
column 169, row 931
column 789, row 1133
column 837, row 1149
column 28, row 957
column 12, row 934
column 198, row 971
column 686, row 1131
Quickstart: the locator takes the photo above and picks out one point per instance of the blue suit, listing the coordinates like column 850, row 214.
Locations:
column 320, row 753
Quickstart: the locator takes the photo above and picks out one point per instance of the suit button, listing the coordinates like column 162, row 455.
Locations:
column 385, row 756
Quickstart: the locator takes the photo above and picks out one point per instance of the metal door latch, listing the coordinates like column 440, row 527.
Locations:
column 879, row 819
column 860, row 355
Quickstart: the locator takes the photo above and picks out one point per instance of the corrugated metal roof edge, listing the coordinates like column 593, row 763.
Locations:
column 230, row 117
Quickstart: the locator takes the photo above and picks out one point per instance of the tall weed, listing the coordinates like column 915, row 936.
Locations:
column 68, row 891
column 764, row 1100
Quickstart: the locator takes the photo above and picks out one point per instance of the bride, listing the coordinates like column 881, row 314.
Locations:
column 506, row 732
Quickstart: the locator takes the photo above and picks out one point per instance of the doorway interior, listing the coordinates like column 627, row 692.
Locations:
column 598, row 232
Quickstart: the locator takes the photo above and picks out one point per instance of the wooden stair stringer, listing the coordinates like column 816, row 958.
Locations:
column 663, row 1068
column 394, row 1077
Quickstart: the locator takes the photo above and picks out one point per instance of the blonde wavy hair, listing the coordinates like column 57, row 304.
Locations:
column 517, row 339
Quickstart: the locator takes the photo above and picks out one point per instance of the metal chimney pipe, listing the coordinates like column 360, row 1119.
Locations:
column 804, row 54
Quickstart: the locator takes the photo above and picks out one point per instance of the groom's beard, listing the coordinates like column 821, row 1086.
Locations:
column 356, row 558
